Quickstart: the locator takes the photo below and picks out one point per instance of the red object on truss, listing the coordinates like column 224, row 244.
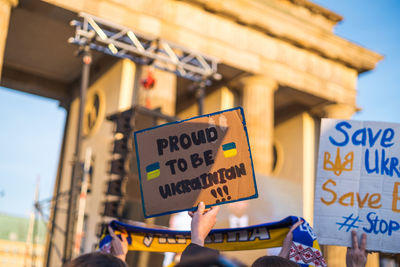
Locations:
column 148, row 82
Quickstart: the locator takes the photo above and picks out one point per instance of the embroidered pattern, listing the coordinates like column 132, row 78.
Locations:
column 306, row 256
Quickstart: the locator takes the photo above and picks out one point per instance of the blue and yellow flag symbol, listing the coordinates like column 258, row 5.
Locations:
column 229, row 150
column 153, row 170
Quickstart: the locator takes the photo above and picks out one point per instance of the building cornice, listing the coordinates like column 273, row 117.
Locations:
column 273, row 20
column 317, row 9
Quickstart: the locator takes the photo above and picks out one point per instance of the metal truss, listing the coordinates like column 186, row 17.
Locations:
column 111, row 38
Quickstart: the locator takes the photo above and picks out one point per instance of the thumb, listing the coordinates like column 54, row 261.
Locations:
column 201, row 207
column 111, row 231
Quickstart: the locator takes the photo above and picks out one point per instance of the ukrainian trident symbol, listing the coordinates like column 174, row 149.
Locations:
column 338, row 166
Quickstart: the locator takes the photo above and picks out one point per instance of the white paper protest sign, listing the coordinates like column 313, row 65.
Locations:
column 358, row 184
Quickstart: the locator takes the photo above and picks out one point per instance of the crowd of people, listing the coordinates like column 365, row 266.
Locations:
column 197, row 255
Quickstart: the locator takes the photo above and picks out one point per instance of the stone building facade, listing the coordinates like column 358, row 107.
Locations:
column 279, row 59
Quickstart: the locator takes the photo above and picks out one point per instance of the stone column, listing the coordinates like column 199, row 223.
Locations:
column 339, row 111
column 5, row 10
column 258, row 104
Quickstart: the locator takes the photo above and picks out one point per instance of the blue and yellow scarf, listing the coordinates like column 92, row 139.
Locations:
column 304, row 250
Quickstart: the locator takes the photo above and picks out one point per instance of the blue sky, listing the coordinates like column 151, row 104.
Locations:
column 30, row 142
column 374, row 25
column 32, row 126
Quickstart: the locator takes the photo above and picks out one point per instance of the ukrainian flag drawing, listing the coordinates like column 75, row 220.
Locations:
column 229, row 150
column 153, row 170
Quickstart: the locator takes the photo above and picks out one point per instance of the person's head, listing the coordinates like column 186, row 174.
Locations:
column 273, row 261
column 96, row 259
column 209, row 260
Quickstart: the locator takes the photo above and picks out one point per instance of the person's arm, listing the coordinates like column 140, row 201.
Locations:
column 356, row 256
column 287, row 242
column 202, row 222
column 119, row 248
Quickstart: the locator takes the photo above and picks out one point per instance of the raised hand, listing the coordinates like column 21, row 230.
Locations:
column 202, row 222
column 119, row 248
column 356, row 256
column 287, row 242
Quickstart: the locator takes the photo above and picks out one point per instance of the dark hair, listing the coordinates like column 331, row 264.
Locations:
column 96, row 259
column 209, row 261
column 273, row 261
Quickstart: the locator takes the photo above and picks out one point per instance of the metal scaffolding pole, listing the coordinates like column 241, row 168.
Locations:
column 200, row 95
column 77, row 166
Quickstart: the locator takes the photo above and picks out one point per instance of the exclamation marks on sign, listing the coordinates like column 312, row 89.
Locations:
column 221, row 194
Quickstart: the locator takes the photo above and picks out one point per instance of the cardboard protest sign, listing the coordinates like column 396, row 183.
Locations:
column 358, row 184
column 206, row 158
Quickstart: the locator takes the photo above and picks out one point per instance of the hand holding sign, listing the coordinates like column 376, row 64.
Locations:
column 206, row 158
column 202, row 222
